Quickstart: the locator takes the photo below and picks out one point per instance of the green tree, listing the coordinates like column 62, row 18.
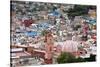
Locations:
column 80, row 60
column 79, row 10
column 44, row 32
column 68, row 58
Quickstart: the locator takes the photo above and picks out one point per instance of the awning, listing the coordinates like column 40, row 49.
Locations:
column 90, row 20
column 31, row 33
column 55, row 13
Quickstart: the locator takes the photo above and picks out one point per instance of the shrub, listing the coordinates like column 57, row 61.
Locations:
column 68, row 58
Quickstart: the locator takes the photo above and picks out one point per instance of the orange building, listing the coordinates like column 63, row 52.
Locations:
column 49, row 48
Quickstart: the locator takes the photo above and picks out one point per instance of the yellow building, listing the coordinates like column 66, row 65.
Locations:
column 92, row 13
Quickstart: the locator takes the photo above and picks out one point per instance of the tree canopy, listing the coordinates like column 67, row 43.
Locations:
column 79, row 10
column 66, row 57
